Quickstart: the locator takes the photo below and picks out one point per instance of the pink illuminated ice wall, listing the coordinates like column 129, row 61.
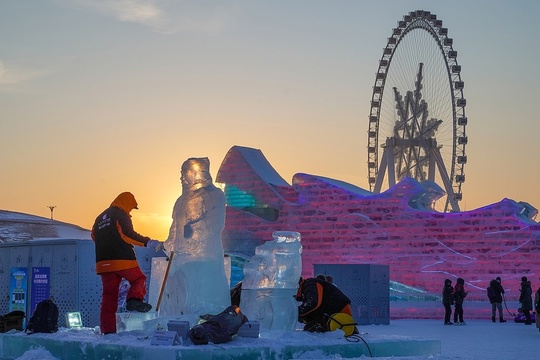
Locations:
column 344, row 224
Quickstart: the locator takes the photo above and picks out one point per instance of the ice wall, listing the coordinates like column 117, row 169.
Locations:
column 343, row 224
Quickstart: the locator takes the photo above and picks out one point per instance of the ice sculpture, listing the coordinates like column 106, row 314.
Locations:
column 271, row 280
column 197, row 283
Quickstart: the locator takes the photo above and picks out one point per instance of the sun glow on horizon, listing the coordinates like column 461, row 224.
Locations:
column 153, row 225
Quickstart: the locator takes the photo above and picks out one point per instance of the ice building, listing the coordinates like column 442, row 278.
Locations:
column 343, row 224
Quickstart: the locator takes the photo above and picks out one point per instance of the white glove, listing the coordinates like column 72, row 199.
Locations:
column 154, row 244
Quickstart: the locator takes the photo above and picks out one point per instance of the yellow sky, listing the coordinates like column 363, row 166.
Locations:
column 97, row 100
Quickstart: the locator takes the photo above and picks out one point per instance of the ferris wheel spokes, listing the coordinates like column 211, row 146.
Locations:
column 420, row 144
column 413, row 147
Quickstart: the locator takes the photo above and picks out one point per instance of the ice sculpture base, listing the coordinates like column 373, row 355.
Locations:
column 250, row 329
column 274, row 309
column 129, row 321
column 70, row 344
column 180, row 327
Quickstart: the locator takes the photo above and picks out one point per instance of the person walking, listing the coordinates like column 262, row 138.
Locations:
column 459, row 297
column 525, row 298
column 447, row 300
column 495, row 293
column 114, row 238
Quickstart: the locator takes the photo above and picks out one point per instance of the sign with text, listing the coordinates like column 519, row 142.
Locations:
column 18, row 287
column 41, row 286
column 162, row 337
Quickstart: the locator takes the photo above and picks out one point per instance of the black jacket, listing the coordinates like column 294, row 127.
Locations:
column 459, row 294
column 525, row 297
column 448, row 294
column 496, row 292
column 114, row 236
column 319, row 298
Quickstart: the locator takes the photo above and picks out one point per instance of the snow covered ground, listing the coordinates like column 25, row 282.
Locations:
column 479, row 339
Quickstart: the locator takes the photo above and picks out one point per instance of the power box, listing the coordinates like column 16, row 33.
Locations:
column 368, row 287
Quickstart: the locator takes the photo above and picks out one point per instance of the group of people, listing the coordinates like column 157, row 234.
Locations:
column 454, row 296
column 495, row 292
column 115, row 237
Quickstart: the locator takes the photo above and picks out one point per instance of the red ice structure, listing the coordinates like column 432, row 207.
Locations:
column 343, row 224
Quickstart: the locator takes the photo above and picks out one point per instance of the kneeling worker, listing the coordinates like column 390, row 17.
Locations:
column 320, row 300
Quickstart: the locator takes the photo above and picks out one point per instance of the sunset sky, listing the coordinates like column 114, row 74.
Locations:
column 101, row 97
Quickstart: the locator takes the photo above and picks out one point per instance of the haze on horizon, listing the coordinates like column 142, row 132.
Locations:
column 97, row 98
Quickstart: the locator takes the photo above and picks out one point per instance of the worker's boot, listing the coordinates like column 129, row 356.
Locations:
column 137, row 305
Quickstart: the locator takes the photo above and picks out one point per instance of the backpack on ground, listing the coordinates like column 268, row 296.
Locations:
column 219, row 328
column 12, row 320
column 44, row 319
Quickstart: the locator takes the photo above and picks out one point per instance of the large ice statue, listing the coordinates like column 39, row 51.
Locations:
column 271, row 280
column 197, row 283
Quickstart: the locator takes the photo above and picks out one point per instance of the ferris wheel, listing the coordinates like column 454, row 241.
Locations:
column 417, row 118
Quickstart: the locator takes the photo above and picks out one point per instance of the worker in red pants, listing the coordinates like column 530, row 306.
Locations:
column 114, row 239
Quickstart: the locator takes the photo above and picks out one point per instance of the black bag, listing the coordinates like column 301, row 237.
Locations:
column 219, row 328
column 12, row 320
column 44, row 319
column 491, row 292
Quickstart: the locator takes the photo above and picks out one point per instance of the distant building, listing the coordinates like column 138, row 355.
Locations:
column 30, row 244
column 17, row 227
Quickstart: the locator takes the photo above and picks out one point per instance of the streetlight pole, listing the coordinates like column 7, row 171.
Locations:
column 51, row 208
